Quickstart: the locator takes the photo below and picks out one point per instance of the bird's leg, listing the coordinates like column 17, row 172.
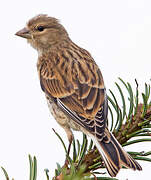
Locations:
column 68, row 152
column 69, row 147
column 70, row 138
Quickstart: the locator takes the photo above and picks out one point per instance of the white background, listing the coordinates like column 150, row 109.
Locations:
column 118, row 35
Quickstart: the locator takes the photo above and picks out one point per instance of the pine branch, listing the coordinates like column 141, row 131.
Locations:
column 126, row 122
column 134, row 122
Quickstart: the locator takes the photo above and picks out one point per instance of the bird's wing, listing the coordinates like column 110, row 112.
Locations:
column 78, row 87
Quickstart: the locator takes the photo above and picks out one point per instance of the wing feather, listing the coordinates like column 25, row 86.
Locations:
column 78, row 88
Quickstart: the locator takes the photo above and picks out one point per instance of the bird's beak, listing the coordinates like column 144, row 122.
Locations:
column 25, row 33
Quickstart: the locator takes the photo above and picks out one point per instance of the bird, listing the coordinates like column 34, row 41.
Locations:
column 74, row 88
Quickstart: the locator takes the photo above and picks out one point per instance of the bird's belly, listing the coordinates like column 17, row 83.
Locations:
column 61, row 117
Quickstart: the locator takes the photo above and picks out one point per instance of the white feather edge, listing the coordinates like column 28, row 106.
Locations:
column 98, row 147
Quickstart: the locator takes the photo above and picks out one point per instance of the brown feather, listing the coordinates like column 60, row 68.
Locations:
column 74, row 88
column 80, row 89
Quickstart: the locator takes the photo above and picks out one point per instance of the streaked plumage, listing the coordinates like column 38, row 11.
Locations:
column 74, row 88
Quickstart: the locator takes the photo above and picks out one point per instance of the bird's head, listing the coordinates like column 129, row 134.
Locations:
column 43, row 32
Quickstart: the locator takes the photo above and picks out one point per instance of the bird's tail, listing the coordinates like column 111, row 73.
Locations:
column 114, row 155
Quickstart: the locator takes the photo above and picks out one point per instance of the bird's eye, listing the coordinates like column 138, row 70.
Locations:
column 40, row 28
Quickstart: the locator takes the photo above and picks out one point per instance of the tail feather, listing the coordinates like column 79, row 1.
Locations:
column 125, row 159
column 114, row 155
